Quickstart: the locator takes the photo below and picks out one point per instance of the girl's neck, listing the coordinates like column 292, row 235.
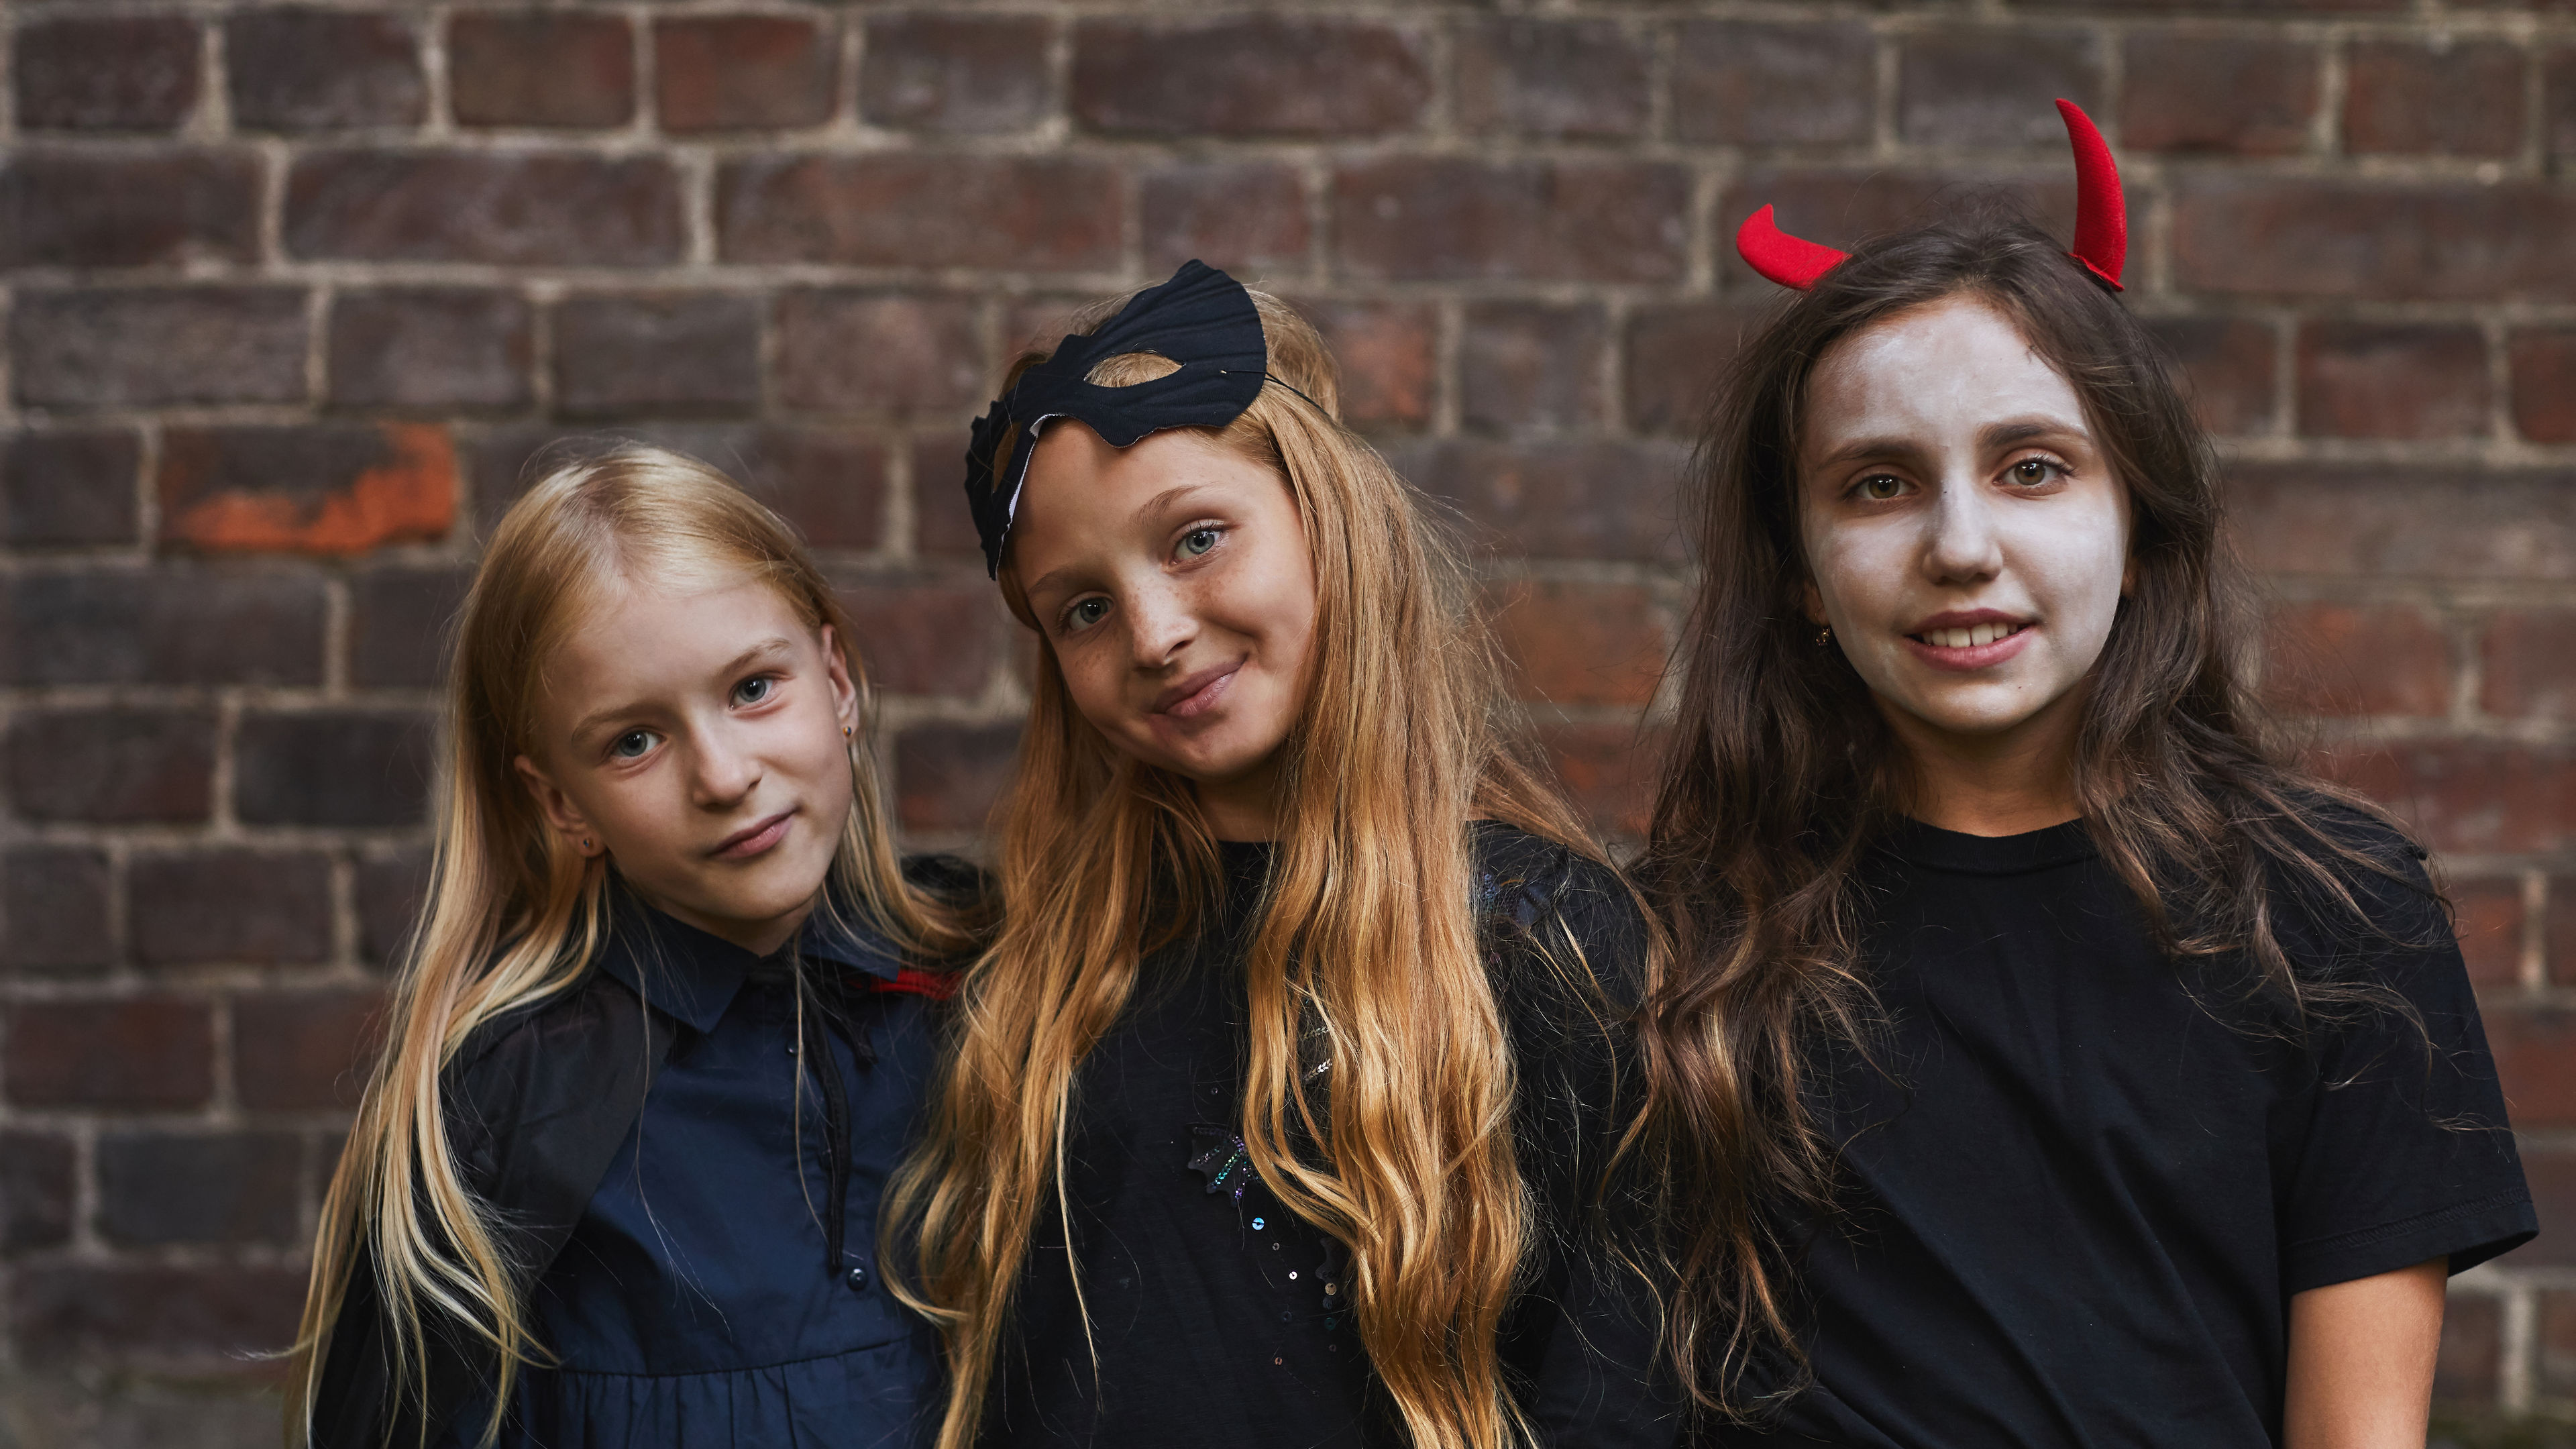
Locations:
column 2010, row 782
column 1245, row 807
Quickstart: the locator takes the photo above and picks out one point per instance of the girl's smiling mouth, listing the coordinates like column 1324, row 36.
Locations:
column 1197, row 694
column 1969, row 640
column 754, row 839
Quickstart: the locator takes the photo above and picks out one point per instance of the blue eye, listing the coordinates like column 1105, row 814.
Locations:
column 754, row 689
column 633, row 745
column 1086, row 614
column 1198, row 541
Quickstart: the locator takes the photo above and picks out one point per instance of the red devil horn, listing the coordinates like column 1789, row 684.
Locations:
column 1788, row 260
column 2101, row 215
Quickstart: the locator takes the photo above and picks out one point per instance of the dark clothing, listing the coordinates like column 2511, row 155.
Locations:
column 677, row 1202
column 1217, row 1317
column 2088, row 1181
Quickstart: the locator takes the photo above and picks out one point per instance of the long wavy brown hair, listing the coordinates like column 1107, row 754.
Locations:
column 515, row 915
column 1366, row 952
column 1781, row 774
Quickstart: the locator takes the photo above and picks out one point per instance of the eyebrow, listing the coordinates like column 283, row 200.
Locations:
column 773, row 645
column 1992, row 436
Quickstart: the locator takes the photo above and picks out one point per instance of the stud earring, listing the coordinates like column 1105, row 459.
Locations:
column 845, row 732
column 1824, row 636
column 585, row 842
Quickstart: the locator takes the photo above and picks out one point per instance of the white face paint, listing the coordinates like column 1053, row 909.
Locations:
column 1967, row 540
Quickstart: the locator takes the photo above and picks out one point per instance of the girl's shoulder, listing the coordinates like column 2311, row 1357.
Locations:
column 1554, row 906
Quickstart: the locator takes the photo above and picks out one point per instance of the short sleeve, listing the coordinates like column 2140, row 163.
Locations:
column 2406, row 1154
column 1569, row 947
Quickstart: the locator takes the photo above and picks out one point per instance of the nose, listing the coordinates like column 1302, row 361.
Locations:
column 723, row 767
column 1160, row 625
column 1963, row 545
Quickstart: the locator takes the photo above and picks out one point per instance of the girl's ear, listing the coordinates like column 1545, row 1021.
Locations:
column 845, row 692
column 558, row 808
column 1815, row 599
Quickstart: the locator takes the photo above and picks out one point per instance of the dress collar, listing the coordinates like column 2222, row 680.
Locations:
column 693, row 976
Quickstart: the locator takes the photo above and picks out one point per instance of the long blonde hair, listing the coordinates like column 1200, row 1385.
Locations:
column 1367, row 946
column 514, row 915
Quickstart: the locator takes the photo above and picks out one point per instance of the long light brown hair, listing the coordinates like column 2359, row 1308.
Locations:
column 515, row 915
column 1781, row 772
column 1366, row 953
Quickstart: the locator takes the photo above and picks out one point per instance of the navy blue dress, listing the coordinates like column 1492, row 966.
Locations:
column 703, row 1298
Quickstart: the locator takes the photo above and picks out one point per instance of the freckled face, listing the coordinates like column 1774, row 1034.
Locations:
column 1967, row 541
column 695, row 738
column 1172, row 581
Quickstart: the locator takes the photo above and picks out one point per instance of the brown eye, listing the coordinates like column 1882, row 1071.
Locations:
column 2033, row 471
column 1881, row 487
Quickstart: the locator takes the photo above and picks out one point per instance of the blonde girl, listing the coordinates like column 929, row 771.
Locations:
column 663, row 1029
column 1280, row 1105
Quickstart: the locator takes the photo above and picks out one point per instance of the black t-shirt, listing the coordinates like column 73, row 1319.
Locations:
column 1219, row 1319
column 2087, row 1182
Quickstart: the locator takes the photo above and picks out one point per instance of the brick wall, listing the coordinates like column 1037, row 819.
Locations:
column 291, row 292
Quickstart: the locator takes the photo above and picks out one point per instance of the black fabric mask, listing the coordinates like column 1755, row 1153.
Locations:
column 1201, row 319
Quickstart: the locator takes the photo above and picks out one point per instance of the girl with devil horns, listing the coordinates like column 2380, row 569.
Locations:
column 2041, row 1058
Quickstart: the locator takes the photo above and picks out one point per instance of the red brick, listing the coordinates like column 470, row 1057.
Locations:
column 158, row 346
column 38, row 1187
column 1576, row 79
column 1841, row 207
column 398, row 623
column 1451, row 219
column 2400, row 522
column 2488, row 915
column 2535, row 1054
column 2552, row 1176
column 2228, row 363
column 540, row 69
column 126, row 765
column 392, row 887
column 1609, row 772
column 1768, row 84
column 873, row 352
column 2544, row 383
column 53, row 910
column 106, row 73
column 1252, row 76
column 1992, row 86
column 516, row 208
column 1388, row 355
column 950, row 776
column 300, row 70
column 145, row 1053
column 2558, row 933
column 201, row 1319
column 975, row 75
column 441, row 347
column 2529, row 658
column 743, row 73
column 1601, row 500
column 828, row 482
column 2554, row 1366
column 304, row 1050
column 2297, row 237
column 214, row 906
column 155, row 209
column 941, row 526
column 171, row 626
column 658, row 353
column 1676, row 352
column 927, row 635
column 1577, row 644
column 1247, row 217
column 162, row 1188
column 2392, row 380
column 69, row 488
column 326, row 488
column 2466, row 1375
column 2463, row 99
column 1531, row 367
column 2558, row 101
column 2243, row 95
column 2473, row 797
column 336, row 767
column 918, row 209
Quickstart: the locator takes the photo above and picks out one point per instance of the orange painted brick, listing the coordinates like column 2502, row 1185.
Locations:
column 334, row 488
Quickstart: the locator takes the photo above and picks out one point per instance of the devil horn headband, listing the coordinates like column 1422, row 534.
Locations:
column 2101, row 221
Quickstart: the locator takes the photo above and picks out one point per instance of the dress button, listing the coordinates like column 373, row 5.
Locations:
column 857, row 1278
